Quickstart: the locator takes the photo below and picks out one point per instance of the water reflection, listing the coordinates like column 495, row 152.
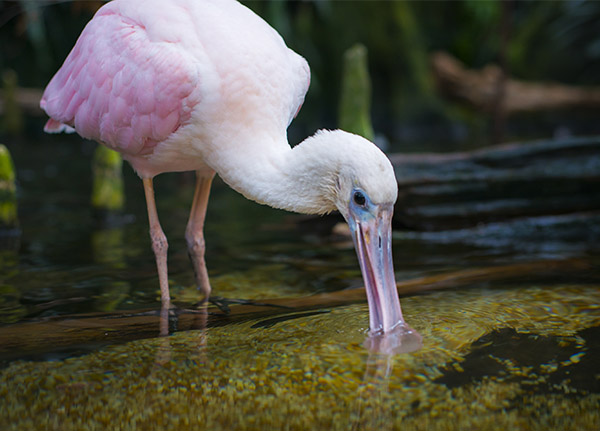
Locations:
column 168, row 322
column 372, row 412
column 11, row 308
column 163, row 352
column 108, row 250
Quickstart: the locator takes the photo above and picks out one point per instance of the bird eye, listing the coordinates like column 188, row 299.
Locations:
column 359, row 198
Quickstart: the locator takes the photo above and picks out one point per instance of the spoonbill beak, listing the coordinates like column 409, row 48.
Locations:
column 371, row 232
column 372, row 235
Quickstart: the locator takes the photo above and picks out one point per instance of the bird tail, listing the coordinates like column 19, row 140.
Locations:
column 53, row 126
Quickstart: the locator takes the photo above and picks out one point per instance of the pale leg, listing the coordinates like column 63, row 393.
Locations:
column 194, row 232
column 159, row 242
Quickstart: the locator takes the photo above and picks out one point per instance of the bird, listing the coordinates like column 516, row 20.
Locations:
column 209, row 86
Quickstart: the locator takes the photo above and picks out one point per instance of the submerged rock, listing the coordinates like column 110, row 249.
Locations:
column 311, row 372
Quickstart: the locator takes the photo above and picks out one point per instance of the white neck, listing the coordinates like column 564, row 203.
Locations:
column 301, row 179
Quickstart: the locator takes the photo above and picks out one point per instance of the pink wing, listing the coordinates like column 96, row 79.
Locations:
column 121, row 88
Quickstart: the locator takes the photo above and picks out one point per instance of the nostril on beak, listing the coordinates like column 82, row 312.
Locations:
column 380, row 242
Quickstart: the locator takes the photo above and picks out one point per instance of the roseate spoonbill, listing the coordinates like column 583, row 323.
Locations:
column 208, row 86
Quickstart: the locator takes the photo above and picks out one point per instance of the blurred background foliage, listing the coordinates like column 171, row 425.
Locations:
column 536, row 41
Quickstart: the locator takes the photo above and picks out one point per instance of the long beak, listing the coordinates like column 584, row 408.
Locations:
column 373, row 241
column 372, row 235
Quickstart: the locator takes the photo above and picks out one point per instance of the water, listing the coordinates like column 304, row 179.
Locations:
column 510, row 325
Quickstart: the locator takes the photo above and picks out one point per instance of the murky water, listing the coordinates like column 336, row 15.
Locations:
column 510, row 325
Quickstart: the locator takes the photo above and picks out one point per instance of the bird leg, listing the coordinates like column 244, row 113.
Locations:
column 159, row 242
column 194, row 232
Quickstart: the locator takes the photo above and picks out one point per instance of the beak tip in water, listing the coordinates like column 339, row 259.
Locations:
column 372, row 235
column 401, row 339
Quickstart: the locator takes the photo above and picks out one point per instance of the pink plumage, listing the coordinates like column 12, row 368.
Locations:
column 120, row 88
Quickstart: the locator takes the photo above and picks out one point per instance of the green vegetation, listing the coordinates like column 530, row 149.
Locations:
column 8, row 190
column 355, row 100
column 107, row 189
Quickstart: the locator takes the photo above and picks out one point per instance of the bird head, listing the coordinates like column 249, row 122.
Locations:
column 361, row 184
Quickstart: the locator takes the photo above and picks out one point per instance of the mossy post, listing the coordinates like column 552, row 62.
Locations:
column 355, row 100
column 107, row 188
column 8, row 191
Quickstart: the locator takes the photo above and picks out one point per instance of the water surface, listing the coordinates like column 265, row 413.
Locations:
column 502, row 348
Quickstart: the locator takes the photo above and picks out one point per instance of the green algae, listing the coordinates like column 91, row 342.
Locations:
column 108, row 186
column 312, row 372
column 261, row 281
column 8, row 190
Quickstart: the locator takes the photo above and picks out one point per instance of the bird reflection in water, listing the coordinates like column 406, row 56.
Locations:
column 200, row 325
column 372, row 411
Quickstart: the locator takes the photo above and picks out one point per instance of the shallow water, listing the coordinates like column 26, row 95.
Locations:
column 511, row 348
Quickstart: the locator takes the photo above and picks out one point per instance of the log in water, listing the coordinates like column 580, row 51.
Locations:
column 448, row 191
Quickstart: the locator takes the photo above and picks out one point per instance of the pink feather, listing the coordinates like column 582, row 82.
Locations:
column 119, row 87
